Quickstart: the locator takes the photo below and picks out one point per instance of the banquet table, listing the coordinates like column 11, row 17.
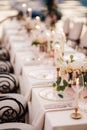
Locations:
column 28, row 81
column 30, row 66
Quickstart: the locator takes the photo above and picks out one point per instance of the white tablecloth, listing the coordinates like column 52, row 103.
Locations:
column 55, row 120
column 27, row 82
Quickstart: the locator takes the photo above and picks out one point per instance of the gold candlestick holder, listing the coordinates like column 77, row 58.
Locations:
column 58, row 72
column 76, row 115
column 62, row 54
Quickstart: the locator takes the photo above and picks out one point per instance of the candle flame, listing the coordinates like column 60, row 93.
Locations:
column 58, row 47
column 29, row 9
column 38, row 18
column 24, row 5
column 77, row 81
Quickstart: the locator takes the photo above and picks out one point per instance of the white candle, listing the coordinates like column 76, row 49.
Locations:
column 58, row 51
column 37, row 20
column 53, row 38
column 30, row 12
column 77, row 81
column 57, row 54
column 24, row 8
column 63, row 40
column 48, row 39
column 37, row 27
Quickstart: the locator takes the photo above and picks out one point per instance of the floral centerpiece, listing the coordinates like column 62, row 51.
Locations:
column 60, row 84
column 42, row 43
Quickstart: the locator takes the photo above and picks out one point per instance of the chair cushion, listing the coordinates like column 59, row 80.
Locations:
column 6, row 67
column 8, row 83
column 16, row 126
column 12, row 108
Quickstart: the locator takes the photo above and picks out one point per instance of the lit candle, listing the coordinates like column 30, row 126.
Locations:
column 53, row 38
column 37, row 27
column 30, row 12
column 58, row 51
column 53, row 34
column 57, row 54
column 37, row 20
column 24, row 8
column 48, row 39
column 77, row 81
column 62, row 41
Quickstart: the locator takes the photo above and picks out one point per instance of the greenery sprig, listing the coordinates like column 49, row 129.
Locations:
column 35, row 43
column 71, row 58
column 60, row 84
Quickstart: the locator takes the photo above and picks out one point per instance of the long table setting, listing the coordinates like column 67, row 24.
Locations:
column 52, row 75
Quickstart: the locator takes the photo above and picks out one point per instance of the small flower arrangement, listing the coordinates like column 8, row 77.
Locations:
column 39, row 41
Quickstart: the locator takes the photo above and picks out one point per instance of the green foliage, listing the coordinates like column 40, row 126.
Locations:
column 58, row 85
column 35, row 43
column 71, row 58
column 58, row 81
column 65, row 83
column 54, row 84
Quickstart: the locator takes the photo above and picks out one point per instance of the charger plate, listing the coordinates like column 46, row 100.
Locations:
column 42, row 74
column 53, row 95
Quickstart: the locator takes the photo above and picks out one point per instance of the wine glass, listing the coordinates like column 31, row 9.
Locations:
column 77, row 86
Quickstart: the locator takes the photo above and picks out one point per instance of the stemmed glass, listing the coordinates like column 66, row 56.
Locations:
column 77, row 86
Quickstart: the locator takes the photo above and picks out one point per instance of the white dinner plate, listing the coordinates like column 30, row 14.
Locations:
column 53, row 95
column 43, row 74
column 76, row 55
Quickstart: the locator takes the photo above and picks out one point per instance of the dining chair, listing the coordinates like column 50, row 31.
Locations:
column 66, row 27
column 83, row 40
column 13, row 108
column 4, row 55
column 6, row 66
column 8, row 83
column 75, row 33
column 83, row 43
column 16, row 126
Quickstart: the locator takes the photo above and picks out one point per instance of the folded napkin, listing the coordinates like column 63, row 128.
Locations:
column 59, row 106
column 43, row 84
column 39, row 119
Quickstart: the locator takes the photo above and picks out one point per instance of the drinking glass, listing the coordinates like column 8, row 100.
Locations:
column 77, row 86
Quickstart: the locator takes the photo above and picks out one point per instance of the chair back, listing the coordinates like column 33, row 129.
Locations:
column 8, row 83
column 12, row 108
column 75, row 31
column 66, row 26
column 5, row 66
column 83, row 41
